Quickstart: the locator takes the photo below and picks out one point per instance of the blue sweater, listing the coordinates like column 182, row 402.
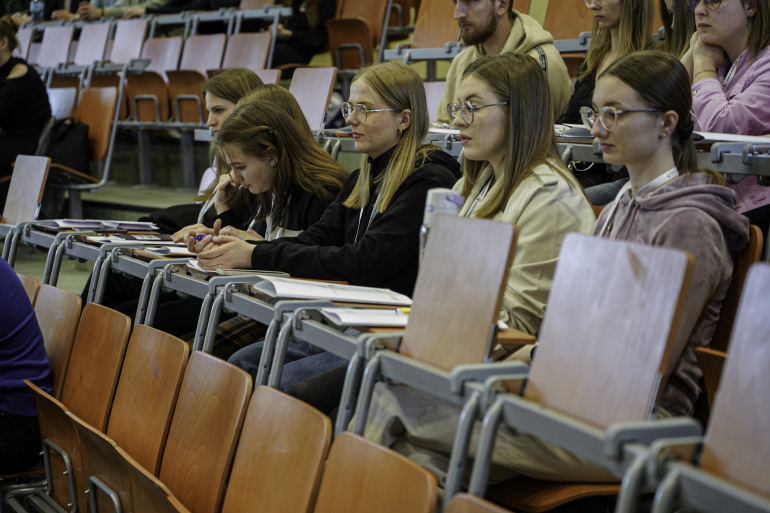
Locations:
column 22, row 351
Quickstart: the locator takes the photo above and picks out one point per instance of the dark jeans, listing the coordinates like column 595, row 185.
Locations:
column 19, row 443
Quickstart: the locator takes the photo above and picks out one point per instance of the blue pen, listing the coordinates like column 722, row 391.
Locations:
column 199, row 237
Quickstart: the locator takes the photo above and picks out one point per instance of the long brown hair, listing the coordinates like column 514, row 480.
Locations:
column 8, row 29
column 663, row 83
column 677, row 39
column 401, row 88
column 759, row 28
column 519, row 80
column 635, row 34
column 262, row 129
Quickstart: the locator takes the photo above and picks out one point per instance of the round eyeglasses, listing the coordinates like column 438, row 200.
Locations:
column 361, row 111
column 608, row 116
column 710, row 4
column 466, row 110
column 600, row 3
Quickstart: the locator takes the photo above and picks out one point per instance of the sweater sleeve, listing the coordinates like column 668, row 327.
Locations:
column 328, row 250
column 747, row 112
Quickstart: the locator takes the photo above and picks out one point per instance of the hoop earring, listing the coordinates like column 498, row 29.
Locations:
column 400, row 131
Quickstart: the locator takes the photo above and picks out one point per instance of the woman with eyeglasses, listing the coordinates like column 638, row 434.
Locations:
column 729, row 63
column 512, row 173
column 641, row 116
column 369, row 235
column 620, row 27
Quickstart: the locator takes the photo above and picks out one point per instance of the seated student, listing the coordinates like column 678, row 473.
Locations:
column 24, row 107
column 221, row 93
column 620, row 27
column 22, row 356
column 729, row 63
column 369, row 235
column 514, row 174
column 640, row 114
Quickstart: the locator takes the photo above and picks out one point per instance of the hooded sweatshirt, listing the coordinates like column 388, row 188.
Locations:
column 352, row 245
column 689, row 214
column 526, row 33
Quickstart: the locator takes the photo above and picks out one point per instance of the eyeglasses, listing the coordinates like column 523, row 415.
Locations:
column 710, row 4
column 466, row 110
column 601, row 3
column 361, row 111
column 608, row 116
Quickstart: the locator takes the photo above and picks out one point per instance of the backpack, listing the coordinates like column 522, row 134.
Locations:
column 68, row 144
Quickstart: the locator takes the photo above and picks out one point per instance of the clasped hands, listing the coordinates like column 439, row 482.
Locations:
column 224, row 248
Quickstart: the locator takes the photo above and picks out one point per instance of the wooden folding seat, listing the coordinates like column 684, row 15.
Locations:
column 286, row 480
column 597, row 371
column 522, row 5
column 128, row 40
column 147, row 92
column 200, row 54
column 31, row 286
column 268, row 76
column 567, row 20
column 93, row 39
column 55, row 47
column 58, row 314
column 361, row 475
column 25, row 192
column 466, row 503
column 434, row 91
column 88, row 389
column 246, row 50
column 63, row 101
column 312, row 87
column 731, row 473
column 146, row 394
column 24, row 36
column 355, row 32
column 96, row 108
column 204, row 430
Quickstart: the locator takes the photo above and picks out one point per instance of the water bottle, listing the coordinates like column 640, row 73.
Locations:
column 36, row 11
column 439, row 201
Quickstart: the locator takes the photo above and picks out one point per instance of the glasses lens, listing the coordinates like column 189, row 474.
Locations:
column 587, row 114
column 452, row 111
column 609, row 118
column 466, row 111
column 361, row 113
column 345, row 109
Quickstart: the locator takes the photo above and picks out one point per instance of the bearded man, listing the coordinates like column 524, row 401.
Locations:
column 493, row 26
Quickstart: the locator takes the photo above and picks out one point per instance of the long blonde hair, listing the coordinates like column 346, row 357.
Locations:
column 401, row 88
column 635, row 29
column 518, row 79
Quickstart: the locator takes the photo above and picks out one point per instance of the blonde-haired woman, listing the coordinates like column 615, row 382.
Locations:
column 620, row 27
column 369, row 234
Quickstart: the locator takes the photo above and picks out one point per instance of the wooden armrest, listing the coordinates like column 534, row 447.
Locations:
column 73, row 173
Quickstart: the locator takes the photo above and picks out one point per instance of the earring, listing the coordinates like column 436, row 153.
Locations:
column 400, row 131
column 273, row 163
column 664, row 134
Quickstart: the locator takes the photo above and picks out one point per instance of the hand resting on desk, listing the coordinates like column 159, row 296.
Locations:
column 222, row 251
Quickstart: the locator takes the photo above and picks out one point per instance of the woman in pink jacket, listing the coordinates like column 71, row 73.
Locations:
column 729, row 63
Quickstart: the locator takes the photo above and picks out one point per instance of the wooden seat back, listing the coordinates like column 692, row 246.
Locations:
column 163, row 52
column 96, row 108
column 146, row 394
column 55, row 47
column 435, row 25
column 247, row 50
column 58, row 314
column 434, row 91
column 91, row 44
column 254, row 4
column 95, row 361
column 101, row 459
column 204, row 430
column 462, row 323
column 25, row 192
column 567, row 20
column 57, row 427
column 129, row 39
column 31, row 287
column 203, row 52
column 24, row 37
column 751, row 255
column 286, row 479
column 62, row 100
column 312, row 87
column 268, row 76
column 148, row 493
column 466, row 503
column 740, row 419
column 361, row 475
column 522, row 5
column 583, row 349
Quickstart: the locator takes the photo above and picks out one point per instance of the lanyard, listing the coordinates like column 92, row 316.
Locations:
column 481, row 195
column 654, row 184
column 731, row 74
column 371, row 218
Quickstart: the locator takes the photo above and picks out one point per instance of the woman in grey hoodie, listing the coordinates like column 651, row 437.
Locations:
column 641, row 116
